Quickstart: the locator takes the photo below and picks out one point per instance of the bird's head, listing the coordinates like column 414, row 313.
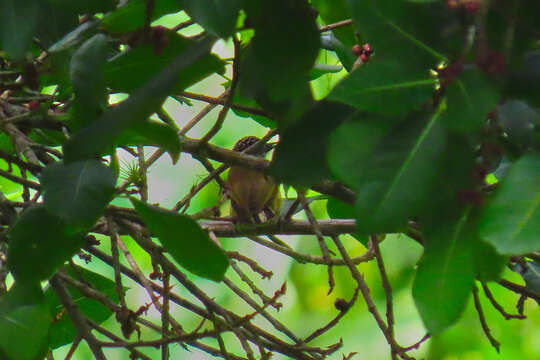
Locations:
column 257, row 150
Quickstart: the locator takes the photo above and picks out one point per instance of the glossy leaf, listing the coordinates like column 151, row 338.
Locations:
column 343, row 52
column 86, row 72
column 281, row 27
column 333, row 11
column 300, row 157
column 132, row 15
column 24, row 323
column 184, row 239
column 63, row 331
column 399, row 30
column 322, row 69
column 488, row 264
column 99, row 137
column 445, row 275
column 385, row 87
column 39, row 243
column 153, row 134
column 18, row 21
column 469, row 100
column 339, row 210
column 217, row 16
column 353, row 142
column 78, row 192
column 511, row 220
column 263, row 120
column 147, row 60
column 400, row 175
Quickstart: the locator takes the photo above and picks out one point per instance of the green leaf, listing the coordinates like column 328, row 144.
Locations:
column 323, row 69
column 337, row 209
column 153, row 134
column 300, row 157
column 131, row 16
column 269, row 76
column 54, row 23
column 78, row 192
column 385, row 87
column 39, row 243
column 332, row 11
column 343, row 52
column 63, row 331
column 488, row 264
column 511, row 220
column 445, row 274
column 18, row 21
column 24, row 323
column 263, row 120
column 469, row 100
column 84, row 6
column 400, row 175
column 100, row 136
column 352, row 143
column 399, row 30
column 217, row 16
column 86, row 71
column 184, row 239
column 147, row 61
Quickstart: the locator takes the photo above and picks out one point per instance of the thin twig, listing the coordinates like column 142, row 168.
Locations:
column 230, row 95
column 336, row 25
column 483, row 322
column 79, row 320
column 221, row 101
column 497, row 306
column 386, row 284
column 320, row 238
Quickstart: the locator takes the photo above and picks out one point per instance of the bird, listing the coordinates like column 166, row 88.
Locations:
column 252, row 193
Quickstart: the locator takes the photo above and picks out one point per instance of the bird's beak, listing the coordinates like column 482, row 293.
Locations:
column 270, row 146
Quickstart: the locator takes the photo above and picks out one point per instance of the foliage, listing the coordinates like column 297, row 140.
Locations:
column 428, row 127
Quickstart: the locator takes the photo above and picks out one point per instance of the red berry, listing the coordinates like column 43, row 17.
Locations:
column 33, row 105
column 367, row 48
column 364, row 58
column 357, row 50
column 471, row 7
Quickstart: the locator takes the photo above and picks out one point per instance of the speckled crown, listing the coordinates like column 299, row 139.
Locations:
column 245, row 143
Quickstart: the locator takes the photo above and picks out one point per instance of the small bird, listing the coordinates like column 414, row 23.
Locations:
column 252, row 193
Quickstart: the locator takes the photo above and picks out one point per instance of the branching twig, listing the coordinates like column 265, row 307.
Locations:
column 77, row 317
column 320, row 238
column 483, row 321
column 497, row 306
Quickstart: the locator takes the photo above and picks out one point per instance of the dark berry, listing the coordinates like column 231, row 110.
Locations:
column 357, row 50
column 341, row 304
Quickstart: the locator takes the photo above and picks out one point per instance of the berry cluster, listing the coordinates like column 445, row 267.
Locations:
column 364, row 52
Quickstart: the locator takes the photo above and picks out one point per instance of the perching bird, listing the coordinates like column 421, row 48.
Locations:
column 254, row 196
